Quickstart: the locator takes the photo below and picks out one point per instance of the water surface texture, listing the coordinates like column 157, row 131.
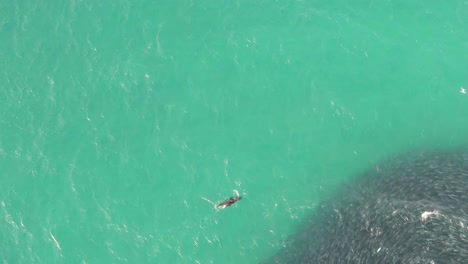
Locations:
column 123, row 123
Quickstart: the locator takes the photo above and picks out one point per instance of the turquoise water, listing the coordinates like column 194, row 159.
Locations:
column 123, row 122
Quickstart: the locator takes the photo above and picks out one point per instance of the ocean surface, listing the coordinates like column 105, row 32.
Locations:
column 123, row 123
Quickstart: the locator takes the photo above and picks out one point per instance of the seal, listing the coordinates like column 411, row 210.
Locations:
column 411, row 208
column 228, row 202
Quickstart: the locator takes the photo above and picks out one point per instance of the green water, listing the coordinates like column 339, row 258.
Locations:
column 123, row 122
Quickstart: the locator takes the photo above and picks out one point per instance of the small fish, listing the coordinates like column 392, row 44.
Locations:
column 228, row 202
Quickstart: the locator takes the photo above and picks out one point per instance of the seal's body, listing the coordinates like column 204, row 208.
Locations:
column 228, row 202
column 409, row 209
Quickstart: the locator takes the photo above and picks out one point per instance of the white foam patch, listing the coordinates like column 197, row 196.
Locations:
column 426, row 215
